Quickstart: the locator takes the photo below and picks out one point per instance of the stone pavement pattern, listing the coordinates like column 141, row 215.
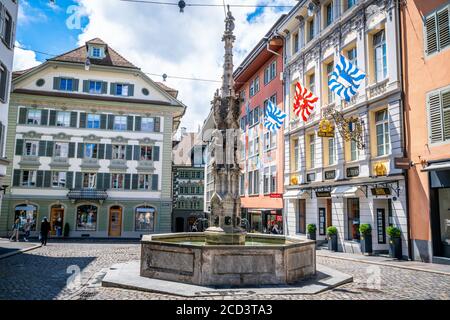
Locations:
column 42, row 274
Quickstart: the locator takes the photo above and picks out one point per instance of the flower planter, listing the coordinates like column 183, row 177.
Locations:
column 311, row 236
column 395, row 248
column 366, row 244
column 332, row 243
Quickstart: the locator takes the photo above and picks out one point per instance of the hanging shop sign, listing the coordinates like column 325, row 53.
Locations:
column 352, row 172
column 329, row 175
column 276, row 195
column 381, row 191
column 323, row 194
column 326, row 130
column 402, row 163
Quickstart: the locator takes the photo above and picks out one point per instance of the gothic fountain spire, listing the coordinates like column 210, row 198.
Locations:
column 228, row 38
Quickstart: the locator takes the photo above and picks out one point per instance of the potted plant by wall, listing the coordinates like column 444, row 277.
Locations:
column 66, row 230
column 395, row 242
column 311, row 230
column 332, row 238
column 365, row 231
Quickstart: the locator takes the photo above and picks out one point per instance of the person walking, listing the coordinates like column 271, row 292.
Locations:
column 58, row 227
column 27, row 229
column 45, row 229
column 15, row 230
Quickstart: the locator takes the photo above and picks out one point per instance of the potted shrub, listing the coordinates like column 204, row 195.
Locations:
column 332, row 238
column 311, row 230
column 66, row 230
column 365, row 231
column 395, row 242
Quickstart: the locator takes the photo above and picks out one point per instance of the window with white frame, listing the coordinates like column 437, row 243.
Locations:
column 4, row 76
column 270, row 72
column 350, row 4
column 331, row 151
column 329, row 14
column 311, row 29
column 120, row 123
column 254, row 87
column 93, row 121
column 33, row 116
column 58, row 179
column 273, row 179
column 296, row 154
column 61, row 149
column 352, row 56
column 354, row 151
column 144, row 181
column 266, row 180
column 90, row 150
column 122, row 89
column 31, row 148
column 146, row 153
column 312, row 150
column 312, row 82
column 89, row 180
column 63, row 119
column 380, row 59
column 148, row 124
column 28, row 178
column 295, row 43
column 117, row 181
column 330, row 93
column 382, row 131
column 95, row 86
column 118, row 151
column 66, row 84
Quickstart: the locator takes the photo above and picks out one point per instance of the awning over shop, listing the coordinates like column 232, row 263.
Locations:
column 345, row 191
column 438, row 166
column 296, row 194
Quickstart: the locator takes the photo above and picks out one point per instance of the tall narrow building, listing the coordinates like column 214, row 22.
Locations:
column 90, row 139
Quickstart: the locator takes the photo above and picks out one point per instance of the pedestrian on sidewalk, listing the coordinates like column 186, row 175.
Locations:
column 27, row 229
column 45, row 229
column 15, row 230
column 58, row 227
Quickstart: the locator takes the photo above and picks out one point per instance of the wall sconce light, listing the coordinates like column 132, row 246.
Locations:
column 3, row 188
column 87, row 64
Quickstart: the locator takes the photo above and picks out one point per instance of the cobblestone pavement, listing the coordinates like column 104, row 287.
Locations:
column 43, row 273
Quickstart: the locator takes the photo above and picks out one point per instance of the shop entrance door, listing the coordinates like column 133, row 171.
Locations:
column 115, row 221
column 179, row 224
column 329, row 215
column 56, row 220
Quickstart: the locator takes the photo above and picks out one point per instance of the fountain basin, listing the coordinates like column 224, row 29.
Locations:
column 262, row 260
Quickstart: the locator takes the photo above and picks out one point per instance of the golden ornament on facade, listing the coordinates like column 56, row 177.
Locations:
column 294, row 180
column 325, row 129
column 380, row 169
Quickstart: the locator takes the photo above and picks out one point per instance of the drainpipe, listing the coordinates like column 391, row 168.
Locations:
column 403, row 113
column 268, row 46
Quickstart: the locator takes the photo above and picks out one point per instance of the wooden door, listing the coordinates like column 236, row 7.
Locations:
column 56, row 213
column 329, row 215
column 115, row 222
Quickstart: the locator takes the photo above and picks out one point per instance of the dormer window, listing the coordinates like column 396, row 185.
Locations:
column 96, row 52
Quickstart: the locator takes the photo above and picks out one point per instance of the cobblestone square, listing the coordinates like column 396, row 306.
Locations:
column 51, row 272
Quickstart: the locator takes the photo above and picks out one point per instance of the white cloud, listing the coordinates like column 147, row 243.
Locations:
column 24, row 59
column 159, row 39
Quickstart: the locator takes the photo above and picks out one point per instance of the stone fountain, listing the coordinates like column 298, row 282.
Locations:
column 224, row 255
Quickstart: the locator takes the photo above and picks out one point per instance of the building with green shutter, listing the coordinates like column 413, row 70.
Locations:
column 90, row 144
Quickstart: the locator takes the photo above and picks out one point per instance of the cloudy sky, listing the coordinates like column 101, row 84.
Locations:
column 159, row 39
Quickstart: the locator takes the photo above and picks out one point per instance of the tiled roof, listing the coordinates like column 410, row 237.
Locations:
column 169, row 90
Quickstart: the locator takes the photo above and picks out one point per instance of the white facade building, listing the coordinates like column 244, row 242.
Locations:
column 328, row 181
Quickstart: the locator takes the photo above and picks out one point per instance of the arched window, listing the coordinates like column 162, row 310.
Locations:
column 87, row 218
column 145, row 218
column 25, row 212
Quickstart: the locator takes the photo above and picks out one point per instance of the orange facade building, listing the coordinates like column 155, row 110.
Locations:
column 257, row 80
column 426, row 74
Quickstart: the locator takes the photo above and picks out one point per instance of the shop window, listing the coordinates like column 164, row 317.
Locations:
column 145, row 219
column 352, row 219
column 26, row 212
column 87, row 218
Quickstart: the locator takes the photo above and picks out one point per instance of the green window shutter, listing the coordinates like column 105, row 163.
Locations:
column 103, row 121
column 155, row 153
column 112, row 90
column 83, row 116
column 131, row 90
column 435, row 121
column 52, row 121
column 110, row 121
column 47, row 179
column 127, row 181
column 137, row 153
column 56, row 83
column 49, row 149
column 16, row 178
column 137, row 123
column 22, row 115
column 42, row 148
column 129, row 152
column 75, row 84
column 86, row 86
column 155, row 182
column 446, row 114
column 69, row 180
column 157, row 124
column 99, row 181
column 443, row 28
column 39, row 179
column 104, row 87
column 101, row 151
column 130, row 123
column 106, row 181
column 73, row 119
column 44, row 117
column 80, row 151
column 78, row 180
column 71, row 153
column 108, row 151
column 19, row 147
column 134, row 184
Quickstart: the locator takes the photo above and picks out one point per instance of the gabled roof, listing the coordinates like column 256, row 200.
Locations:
column 79, row 55
column 169, row 90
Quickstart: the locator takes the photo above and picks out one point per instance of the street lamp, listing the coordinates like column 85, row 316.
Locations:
column 3, row 188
